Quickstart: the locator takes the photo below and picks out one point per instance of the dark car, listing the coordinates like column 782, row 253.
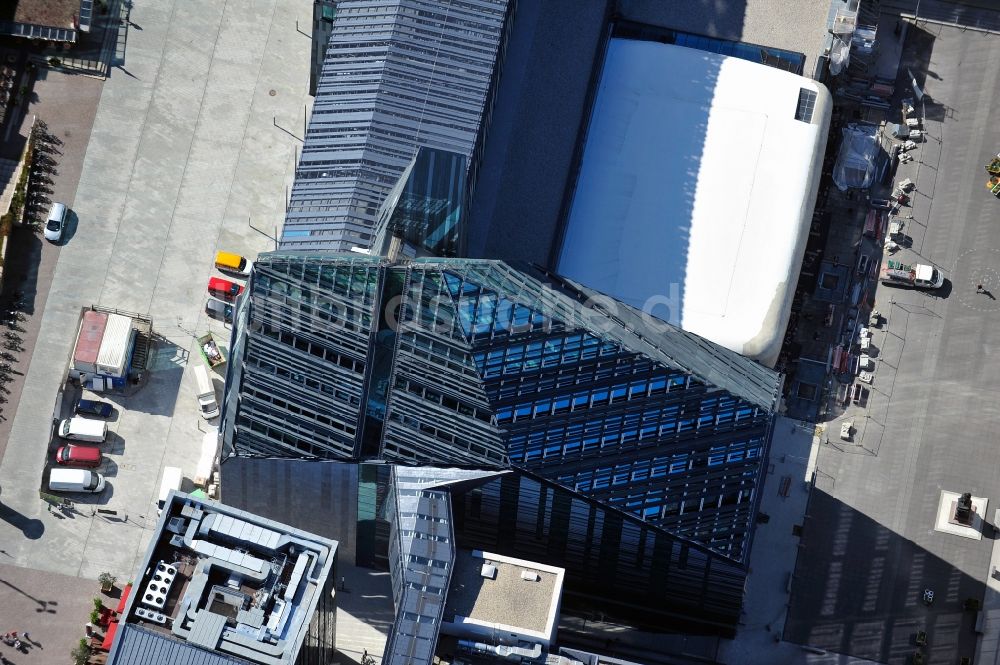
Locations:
column 94, row 407
column 70, row 455
column 219, row 310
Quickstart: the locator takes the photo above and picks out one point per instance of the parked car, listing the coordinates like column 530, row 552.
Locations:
column 223, row 288
column 75, row 480
column 233, row 264
column 93, row 407
column 219, row 310
column 56, row 222
column 70, row 455
column 83, row 429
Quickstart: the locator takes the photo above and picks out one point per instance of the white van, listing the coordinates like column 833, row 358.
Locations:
column 172, row 477
column 206, row 392
column 75, row 480
column 83, row 429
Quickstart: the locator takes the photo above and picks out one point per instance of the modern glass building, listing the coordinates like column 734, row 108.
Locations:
column 425, row 208
column 398, row 74
column 472, row 363
column 615, row 563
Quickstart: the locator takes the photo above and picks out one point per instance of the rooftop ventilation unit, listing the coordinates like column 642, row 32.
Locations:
column 155, row 594
column 150, row 615
column 489, row 571
column 529, row 576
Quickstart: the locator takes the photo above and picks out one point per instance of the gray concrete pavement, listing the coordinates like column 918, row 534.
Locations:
column 51, row 608
column 772, row 559
column 186, row 145
column 869, row 547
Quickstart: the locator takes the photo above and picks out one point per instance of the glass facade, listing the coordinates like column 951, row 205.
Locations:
column 397, row 74
column 472, row 363
column 616, row 565
column 425, row 207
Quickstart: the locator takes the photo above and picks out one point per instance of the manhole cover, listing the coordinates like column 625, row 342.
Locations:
column 272, row 92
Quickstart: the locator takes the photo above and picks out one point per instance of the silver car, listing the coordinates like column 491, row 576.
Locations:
column 219, row 310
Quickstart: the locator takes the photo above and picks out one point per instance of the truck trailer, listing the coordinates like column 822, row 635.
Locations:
column 916, row 276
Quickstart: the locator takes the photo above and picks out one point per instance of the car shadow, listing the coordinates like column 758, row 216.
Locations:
column 114, row 444
column 69, row 227
column 944, row 290
column 108, row 468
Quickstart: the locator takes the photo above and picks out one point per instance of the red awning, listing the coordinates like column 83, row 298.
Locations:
column 109, row 637
column 124, row 599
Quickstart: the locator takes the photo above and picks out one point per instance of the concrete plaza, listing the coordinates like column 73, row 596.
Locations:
column 195, row 137
column 51, row 608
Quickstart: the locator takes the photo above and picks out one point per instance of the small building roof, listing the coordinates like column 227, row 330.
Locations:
column 138, row 646
column 520, row 594
column 219, row 585
column 54, row 13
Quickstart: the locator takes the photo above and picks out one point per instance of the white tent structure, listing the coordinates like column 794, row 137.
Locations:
column 696, row 191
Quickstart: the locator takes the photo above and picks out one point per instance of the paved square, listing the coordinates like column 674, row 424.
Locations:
column 51, row 608
column 869, row 546
column 197, row 137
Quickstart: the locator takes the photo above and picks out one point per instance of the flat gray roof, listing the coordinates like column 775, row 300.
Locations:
column 138, row 646
column 222, row 581
column 508, row 599
column 798, row 26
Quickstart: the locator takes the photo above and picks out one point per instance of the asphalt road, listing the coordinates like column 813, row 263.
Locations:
column 870, row 548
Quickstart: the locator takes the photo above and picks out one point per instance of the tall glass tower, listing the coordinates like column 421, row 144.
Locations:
column 397, row 75
column 472, row 363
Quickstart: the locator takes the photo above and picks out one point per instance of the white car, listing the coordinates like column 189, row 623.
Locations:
column 56, row 222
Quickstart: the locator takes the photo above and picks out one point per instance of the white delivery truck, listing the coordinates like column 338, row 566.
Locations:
column 917, row 276
column 83, row 429
column 75, row 480
column 206, row 393
column 172, row 477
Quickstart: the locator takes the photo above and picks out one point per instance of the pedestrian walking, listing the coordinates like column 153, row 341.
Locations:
column 979, row 288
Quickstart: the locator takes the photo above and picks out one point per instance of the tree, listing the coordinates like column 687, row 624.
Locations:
column 107, row 581
column 81, row 653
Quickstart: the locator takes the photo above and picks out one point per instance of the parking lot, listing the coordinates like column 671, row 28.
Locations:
column 870, row 549
column 194, row 140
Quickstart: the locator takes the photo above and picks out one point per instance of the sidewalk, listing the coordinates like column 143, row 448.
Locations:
column 785, row 494
column 364, row 613
column 988, row 644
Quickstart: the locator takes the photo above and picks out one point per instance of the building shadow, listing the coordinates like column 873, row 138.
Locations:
column 20, row 270
column 858, row 589
column 162, row 379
